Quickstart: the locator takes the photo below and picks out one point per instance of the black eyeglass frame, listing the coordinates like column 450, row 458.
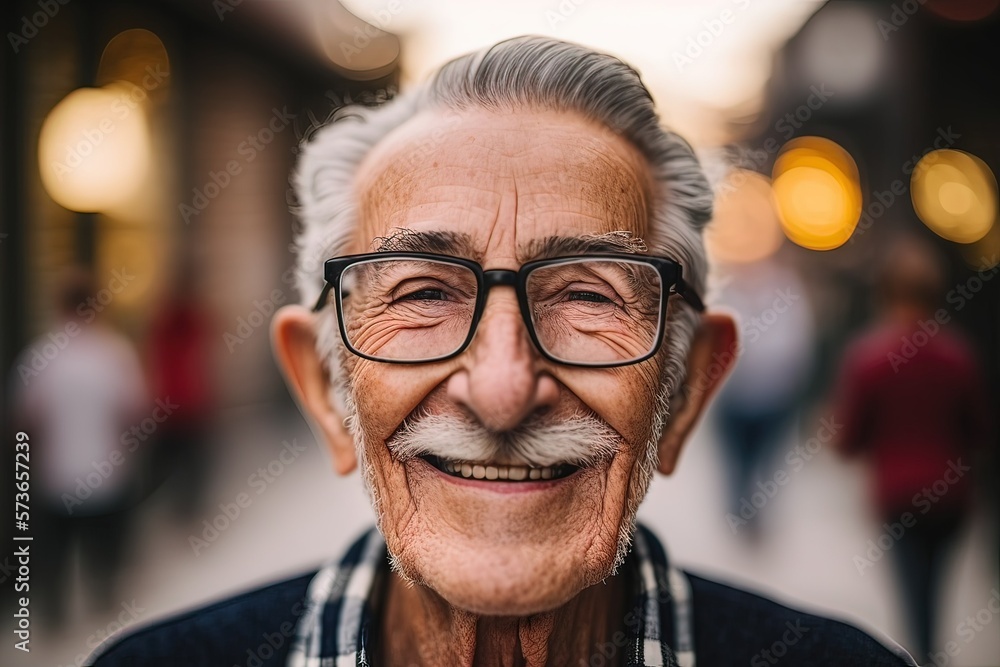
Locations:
column 671, row 280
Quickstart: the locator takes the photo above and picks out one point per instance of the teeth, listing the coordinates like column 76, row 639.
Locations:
column 493, row 472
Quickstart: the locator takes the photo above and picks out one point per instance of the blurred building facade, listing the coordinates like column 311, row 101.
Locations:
column 891, row 83
column 150, row 144
column 195, row 113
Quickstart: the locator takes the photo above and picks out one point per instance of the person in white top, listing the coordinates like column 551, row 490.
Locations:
column 78, row 391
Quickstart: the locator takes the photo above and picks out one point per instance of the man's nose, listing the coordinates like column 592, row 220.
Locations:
column 502, row 382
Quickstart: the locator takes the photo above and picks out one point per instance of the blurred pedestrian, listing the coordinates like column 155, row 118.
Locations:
column 180, row 340
column 911, row 398
column 77, row 390
column 757, row 406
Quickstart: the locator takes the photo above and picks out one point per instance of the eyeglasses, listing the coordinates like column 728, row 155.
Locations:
column 597, row 310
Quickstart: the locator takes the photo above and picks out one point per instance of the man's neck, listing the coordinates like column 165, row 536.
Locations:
column 418, row 627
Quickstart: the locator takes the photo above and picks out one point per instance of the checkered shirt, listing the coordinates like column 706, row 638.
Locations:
column 336, row 629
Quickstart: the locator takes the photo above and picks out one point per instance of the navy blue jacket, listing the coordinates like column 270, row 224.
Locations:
column 731, row 627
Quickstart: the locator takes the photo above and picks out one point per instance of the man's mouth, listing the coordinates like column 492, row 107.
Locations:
column 500, row 473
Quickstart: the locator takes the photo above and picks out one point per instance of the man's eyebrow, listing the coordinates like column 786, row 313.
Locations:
column 461, row 245
column 560, row 246
column 439, row 242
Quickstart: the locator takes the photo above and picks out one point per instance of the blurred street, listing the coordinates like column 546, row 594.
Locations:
column 815, row 525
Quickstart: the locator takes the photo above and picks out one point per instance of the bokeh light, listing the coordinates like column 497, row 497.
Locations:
column 93, row 148
column 844, row 50
column 818, row 193
column 955, row 195
column 136, row 56
column 362, row 49
column 745, row 227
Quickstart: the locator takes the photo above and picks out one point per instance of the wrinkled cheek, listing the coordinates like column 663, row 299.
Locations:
column 375, row 413
column 392, row 488
column 623, row 469
column 634, row 390
column 600, row 517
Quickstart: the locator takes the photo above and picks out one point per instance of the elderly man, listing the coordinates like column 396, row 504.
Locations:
column 507, row 338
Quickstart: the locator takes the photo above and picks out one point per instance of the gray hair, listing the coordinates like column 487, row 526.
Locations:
column 521, row 73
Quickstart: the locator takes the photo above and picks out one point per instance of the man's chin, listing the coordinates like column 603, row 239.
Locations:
column 507, row 549
column 505, row 581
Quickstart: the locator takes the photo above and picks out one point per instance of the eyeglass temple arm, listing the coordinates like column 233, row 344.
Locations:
column 688, row 294
column 323, row 297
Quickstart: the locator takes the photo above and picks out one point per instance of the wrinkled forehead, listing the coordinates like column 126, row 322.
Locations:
column 503, row 181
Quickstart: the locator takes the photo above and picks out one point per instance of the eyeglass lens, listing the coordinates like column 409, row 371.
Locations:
column 583, row 311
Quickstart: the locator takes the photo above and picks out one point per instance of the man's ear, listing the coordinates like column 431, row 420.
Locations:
column 293, row 337
column 712, row 355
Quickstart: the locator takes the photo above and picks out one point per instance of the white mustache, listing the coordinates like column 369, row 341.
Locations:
column 580, row 440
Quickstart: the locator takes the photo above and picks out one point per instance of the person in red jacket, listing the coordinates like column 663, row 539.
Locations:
column 912, row 399
column 180, row 340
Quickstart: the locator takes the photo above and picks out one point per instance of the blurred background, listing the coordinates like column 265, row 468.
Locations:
column 848, row 468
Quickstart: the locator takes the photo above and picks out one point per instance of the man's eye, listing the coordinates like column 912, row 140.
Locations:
column 424, row 295
column 592, row 297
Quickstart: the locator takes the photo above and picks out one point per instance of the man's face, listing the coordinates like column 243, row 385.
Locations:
column 502, row 185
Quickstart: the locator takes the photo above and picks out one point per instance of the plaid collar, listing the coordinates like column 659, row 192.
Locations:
column 336, row 627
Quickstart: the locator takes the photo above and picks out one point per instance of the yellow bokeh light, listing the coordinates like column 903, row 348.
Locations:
column 93, row 148
column 136, row 56
column 745, row 226
column 817, row 191
column 956, row 198
column 955, row 195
